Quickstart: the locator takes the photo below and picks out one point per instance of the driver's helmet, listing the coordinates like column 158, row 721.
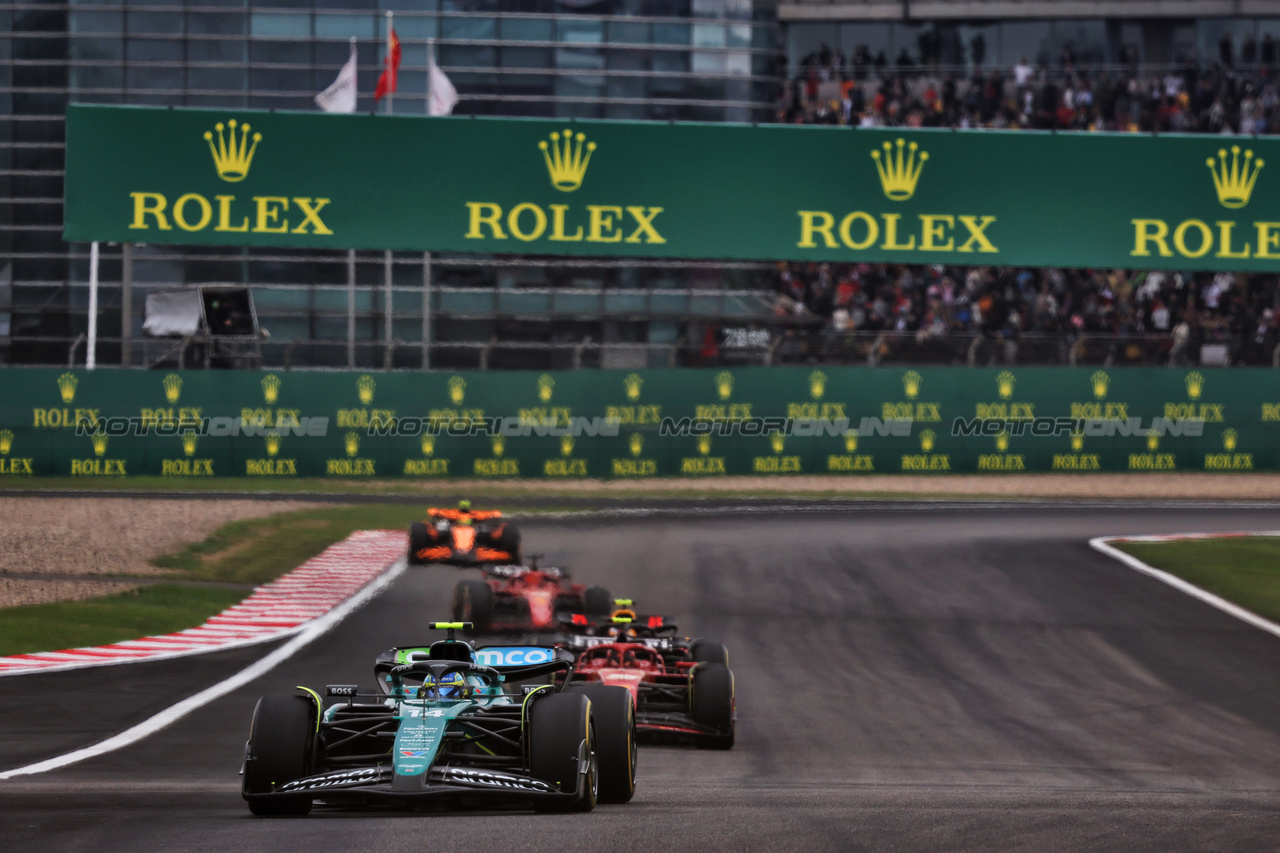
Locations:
column 464, row 506
column 452, row 686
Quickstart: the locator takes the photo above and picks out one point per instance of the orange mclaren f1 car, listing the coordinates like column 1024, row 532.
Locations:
column 464, row 537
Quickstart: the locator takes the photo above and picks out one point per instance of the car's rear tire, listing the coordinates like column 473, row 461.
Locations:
column 705, row 651
column 557, row 727
column 281, row 739
column 711, row 704
column 473, row 602
column 614, row 715
column 419, row 538
column 596, row 601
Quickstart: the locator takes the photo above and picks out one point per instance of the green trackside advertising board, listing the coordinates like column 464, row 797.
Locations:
column 617, row 424
column 237, row 177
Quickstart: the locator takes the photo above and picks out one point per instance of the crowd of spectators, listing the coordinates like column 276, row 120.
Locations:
column 1226, row 97
column 1180, row 311
column 1175, row 312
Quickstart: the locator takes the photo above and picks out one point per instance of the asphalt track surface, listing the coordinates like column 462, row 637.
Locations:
column 908, row 679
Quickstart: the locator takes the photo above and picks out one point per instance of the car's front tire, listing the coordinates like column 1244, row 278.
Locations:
column 281, row 738
column 614, row 715
column 558, row 726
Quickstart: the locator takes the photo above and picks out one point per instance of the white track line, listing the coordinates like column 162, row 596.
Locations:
column 1103, row 544
column 176, row 712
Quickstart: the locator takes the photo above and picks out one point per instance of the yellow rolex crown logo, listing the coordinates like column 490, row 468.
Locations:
column 1195, row 384
column 189, row 443
column 499, row 445
column 428, row 444
column 365, row 386
column 926, row 441
column 724, row 384
column 352, row 443
column 817, row 384
column 567, row 164
column 850, row 442
column 1100, row 381
column 1229, row 439
column 777, row 441
column 632, row 383
column 899, row 170
column 704, row 444
column 546, row 385
column 273, row 445
column 1077, row 442
column 6, row 441
column 99, row 443
column 1002, row 442
column 636, row 444
column 911, row 384
column 231, row 158
column 172, row 387
column 1234, row 181
column 1004, row 384
column 271, row 388
column 566, row 445
column 67, row 383
column 457, row 390
column 1153, row 441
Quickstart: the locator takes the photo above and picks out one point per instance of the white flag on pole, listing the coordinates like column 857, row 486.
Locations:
column 441, row 95
column 341, row 96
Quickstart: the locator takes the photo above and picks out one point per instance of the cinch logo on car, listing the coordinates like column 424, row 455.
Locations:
column 513, row 655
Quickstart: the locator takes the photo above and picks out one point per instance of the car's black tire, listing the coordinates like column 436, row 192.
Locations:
column 473, row 602
column 596, row 601
column 419, row 538
column 711, row 704
column 614, row 715
column 281, row 740
column 558, row 725
column 509, row 541
column 705, row 651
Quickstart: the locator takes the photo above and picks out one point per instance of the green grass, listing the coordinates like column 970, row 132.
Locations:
column 1244, row 570
column 253, row 551
column 261, row 549
column 157, row 609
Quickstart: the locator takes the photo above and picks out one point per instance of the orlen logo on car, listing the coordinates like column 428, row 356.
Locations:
column 513, row 655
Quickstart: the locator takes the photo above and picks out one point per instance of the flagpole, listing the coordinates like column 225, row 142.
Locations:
column 91, row 351
column 431, row 61
column 391, row 94
column 386, row 258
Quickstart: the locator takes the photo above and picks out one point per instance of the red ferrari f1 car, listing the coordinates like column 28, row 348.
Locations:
column 681, row 687
column 519, row 598
column 463, row 537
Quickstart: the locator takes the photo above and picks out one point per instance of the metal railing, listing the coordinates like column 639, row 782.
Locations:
column 784, row 344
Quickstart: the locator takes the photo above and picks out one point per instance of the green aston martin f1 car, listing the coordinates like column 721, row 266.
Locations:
column 442, row 728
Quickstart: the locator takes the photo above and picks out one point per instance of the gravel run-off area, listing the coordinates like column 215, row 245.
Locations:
column 98, row 540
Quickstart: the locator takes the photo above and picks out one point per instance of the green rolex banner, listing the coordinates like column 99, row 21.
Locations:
column 645, row 423
column 238, row 177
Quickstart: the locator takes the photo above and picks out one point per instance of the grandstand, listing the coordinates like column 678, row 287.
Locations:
column 1113, row 66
